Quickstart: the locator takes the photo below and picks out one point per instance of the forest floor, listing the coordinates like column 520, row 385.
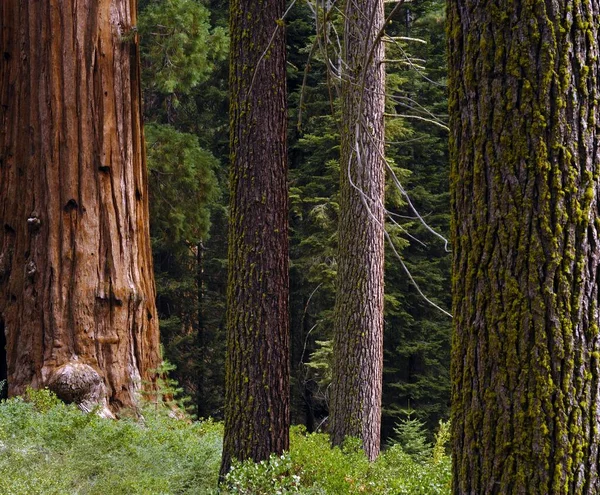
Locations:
column 49, row 448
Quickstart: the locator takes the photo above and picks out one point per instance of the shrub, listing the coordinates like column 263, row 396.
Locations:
column 313, row 467
column 47, row 447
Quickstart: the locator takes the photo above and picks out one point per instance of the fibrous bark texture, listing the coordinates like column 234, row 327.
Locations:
column 257, row 364
column 358, row 338
column 76, row 283
column 525, row 151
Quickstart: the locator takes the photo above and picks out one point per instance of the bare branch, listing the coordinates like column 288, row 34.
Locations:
column 262, row 56
column 417, row 117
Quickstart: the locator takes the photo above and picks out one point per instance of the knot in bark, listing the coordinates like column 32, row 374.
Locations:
column 31, row 269
column 34, row 223
column 76, row 383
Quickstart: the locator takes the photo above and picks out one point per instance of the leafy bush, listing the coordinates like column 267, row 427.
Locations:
column 274, row 477
column 313, row 467
column 42, row 400
column 48, row 448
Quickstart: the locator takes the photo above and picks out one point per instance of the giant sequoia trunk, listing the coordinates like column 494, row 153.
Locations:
column 257, row 367
column 76, row 283
column 525, row 151
column 358, row 341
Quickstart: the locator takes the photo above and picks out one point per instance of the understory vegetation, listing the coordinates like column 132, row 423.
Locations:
column 47, row 447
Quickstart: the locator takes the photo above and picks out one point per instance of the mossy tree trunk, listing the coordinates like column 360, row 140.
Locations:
column 76, row 283
column 525, row 153
column 257, row 363
column 358, row 327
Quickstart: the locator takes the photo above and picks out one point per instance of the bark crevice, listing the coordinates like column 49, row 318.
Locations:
column 72, row 228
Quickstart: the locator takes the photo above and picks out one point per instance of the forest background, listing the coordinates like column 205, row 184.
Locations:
column 185, row 69
column 525, row 364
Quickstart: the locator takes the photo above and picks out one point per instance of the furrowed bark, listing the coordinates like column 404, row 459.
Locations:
column 358, row 327
column 76, row 283
column 257, row 365
column 525, row 161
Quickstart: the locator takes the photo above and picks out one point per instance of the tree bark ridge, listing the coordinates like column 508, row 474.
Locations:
column 76, row 283
column 358, row 327
column 525, row 158
column 257, row 415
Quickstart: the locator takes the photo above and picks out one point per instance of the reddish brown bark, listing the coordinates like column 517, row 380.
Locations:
column 76, row 284
column 358, row 339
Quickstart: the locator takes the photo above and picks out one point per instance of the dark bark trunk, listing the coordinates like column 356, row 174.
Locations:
column 358, row 340
column 202, row 411
column 3, row 363
column 76, row 284
column 525, row 153
column 257, row 367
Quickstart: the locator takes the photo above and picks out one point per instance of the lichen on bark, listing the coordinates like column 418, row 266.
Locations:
column 525, row 164
column 257, row 363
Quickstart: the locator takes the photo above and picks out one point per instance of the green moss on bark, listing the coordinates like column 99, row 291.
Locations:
column 524, row 178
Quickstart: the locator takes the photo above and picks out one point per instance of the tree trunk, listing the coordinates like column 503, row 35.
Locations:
column 525, row 156
column 201, row 409
column 257, row 366
column 358, row 327
column 76, row 281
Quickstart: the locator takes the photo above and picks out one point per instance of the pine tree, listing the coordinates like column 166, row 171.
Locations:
column 358, row 320
column 417, row 335
column 257, row 365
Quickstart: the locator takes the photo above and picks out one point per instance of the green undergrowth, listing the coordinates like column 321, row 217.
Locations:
column 313, row 467
column 49, row 448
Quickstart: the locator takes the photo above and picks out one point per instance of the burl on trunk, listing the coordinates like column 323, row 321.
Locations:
column 76, row 284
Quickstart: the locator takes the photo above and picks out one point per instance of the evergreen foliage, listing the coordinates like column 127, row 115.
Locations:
column 184, row 70
column 179, row 46
column 411, row 435
column 183, row 185
column 417, row 339
column 417, row 335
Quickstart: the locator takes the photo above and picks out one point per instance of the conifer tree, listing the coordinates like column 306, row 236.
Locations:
column 76, row 286
column 417, row 335
column 185, row 116
column 257, row 365
column 525, row 162
column 358, row 319
column 417, row 345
